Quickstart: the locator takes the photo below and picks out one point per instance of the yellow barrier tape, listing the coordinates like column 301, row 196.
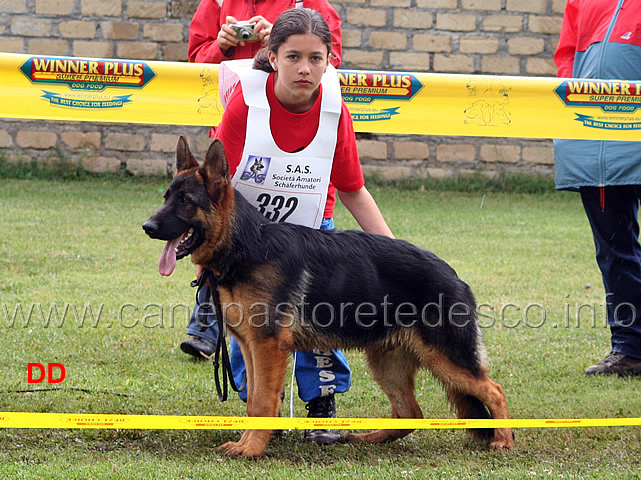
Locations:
column 152, row 92
column 135, row 91
column 171, row 422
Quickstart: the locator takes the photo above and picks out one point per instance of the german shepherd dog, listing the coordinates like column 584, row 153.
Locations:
column 285, row 287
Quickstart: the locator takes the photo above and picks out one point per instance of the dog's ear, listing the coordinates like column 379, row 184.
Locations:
column 184, row 159
column 216, row 168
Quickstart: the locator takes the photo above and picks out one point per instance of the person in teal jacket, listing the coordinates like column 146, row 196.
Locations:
column 601, row 39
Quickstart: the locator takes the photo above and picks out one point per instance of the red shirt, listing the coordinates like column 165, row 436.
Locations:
column 293, row 132
column 210, row 17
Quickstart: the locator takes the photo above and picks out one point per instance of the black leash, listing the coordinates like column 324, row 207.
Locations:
column 221, row 358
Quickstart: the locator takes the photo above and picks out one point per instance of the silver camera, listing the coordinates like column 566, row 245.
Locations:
column 244, row 31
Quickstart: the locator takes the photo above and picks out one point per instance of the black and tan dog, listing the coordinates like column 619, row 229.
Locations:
column 285, row 287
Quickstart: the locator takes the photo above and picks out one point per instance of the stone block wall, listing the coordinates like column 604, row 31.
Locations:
column 495, row 37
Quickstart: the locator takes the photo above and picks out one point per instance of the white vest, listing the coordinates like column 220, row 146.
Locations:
column 286, row 187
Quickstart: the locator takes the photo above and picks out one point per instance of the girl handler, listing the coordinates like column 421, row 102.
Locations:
column 291, row 147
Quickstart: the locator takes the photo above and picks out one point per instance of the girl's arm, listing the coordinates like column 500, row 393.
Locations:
column 363, row 207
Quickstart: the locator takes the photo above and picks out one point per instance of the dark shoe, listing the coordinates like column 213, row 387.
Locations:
column 616, row 363
column 198, row 347
column 322, row 407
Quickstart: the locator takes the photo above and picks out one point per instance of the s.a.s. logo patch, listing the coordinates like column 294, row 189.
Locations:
column 86, row 80
column 256, row 169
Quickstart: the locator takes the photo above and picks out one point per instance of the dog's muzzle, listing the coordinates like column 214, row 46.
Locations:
column 151, row 228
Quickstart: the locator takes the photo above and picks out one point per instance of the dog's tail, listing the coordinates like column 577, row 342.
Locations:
column 467, row 406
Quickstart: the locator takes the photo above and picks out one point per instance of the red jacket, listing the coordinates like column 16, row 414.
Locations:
column 210, row 17
column 588, row 22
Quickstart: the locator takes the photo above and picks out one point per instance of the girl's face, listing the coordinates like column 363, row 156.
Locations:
column 299, row 65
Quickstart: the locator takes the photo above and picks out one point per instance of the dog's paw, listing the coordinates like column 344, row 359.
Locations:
column 230, row 449
column 501, row 445
column 237, row 449
column 349, row 438
column 503, row 439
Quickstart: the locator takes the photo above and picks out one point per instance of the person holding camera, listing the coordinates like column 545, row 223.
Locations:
column 212, row 39
column 226, row 30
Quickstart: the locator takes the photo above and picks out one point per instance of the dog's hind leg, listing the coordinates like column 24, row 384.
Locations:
column 472, row 396
column 394, row 371
column 266, row 364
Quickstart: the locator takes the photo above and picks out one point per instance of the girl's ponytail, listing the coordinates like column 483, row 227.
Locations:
column 261, row 61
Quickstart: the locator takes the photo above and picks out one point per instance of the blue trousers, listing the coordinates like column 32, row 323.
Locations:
column 318, row 373
column 613, row 216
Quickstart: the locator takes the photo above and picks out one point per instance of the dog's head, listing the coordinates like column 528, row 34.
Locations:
column 184, row 221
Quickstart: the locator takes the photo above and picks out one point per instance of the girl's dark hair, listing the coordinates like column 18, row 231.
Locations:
column 292, row 22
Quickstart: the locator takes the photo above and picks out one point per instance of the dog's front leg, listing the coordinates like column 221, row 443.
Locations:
column 266, row 364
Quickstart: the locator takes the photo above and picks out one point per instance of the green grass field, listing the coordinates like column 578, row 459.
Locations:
column 77, row 246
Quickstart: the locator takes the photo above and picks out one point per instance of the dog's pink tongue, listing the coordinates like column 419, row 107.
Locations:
column 167, row 262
